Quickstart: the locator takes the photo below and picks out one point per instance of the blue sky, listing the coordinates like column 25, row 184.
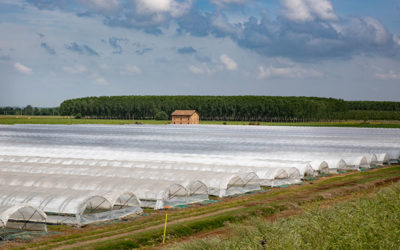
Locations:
column 55, row 50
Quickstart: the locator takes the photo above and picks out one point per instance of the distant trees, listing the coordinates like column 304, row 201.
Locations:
column 28, row 110
column 230, row 108
column 371, row 105
column 226, row 108
column 161, row 115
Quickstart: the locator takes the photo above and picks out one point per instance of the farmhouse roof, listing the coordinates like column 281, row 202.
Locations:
column 183, row 112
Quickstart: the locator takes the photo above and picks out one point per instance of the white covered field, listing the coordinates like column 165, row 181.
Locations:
column 78, row 174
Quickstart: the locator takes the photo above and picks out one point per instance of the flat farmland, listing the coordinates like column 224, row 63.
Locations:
column 216, row 219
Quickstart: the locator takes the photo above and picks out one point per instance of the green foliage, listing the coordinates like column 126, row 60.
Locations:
column 373, row 106
column 161, row 116
column 78, row 116
column 220, row 108
column 232, row 108
column 368, row 223
column 28, row 110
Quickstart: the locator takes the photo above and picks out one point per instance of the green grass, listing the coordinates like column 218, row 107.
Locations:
column 70, row 121
column 367, row 223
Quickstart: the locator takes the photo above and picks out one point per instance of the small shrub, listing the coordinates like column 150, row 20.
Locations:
column 78, row 116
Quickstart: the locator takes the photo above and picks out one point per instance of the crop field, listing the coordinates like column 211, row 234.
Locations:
column 107, row 186
column 185, row 124
column 293, row 207
column 12, row 119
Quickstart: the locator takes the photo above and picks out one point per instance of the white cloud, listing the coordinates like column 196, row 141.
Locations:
column 22, row 68
column 224, row 63
column 196, row 69
column 288, row 72
column 131, row 70
column 396, row 39
column 76, row 69
column 174, row 8
column 308, row 10
column 390, row 75
column 202, row 69
column 100, row 81
column 380, row 32
column 97, row 79
column 222, row 23
column 229, row 63
column 154, row 5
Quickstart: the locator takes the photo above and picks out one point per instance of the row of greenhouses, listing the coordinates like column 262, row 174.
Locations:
column 80, row 174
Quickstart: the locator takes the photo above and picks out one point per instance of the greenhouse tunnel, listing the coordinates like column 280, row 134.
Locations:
column 305, row 170
column 251, row 182
column 271, row 177
column 335, row 165
column 149, row 192
column 294, row 176
column 321, row 167
column 22, row 217
column 225, row 185
column 355, row 163
column 65, row 206
column 174, row 195
column 372, row 160
column 197, row 190
column 383, row 159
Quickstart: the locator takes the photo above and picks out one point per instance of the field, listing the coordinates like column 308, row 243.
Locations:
column 317, row 203
column 69, row 121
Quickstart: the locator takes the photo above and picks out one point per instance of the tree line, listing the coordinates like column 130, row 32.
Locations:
column 373, row 106
column 231, row 108
column 28, row 110
column 227, row 108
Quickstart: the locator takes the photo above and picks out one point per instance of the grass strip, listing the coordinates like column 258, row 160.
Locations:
column 367, row 223
column 70, row 121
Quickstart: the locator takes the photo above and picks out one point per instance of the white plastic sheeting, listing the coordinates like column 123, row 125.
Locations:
column 65, row 206
column 335, row 165
column 147, row 169
column 372, row 160
column 321, row 167
column 23, row 217
column 210, row 139
column 165, row 164
column 382, row 158
column 356, row 162
column 187, row 178
column 151, row 193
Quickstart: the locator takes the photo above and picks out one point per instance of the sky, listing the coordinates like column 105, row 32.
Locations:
column 53, row 50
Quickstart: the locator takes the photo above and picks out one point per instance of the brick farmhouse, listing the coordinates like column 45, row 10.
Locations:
column 185, row 117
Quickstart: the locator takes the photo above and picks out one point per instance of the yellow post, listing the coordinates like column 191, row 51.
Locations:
column 165, row 225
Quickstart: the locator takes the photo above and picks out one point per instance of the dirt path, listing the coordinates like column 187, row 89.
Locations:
column 80, row 244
